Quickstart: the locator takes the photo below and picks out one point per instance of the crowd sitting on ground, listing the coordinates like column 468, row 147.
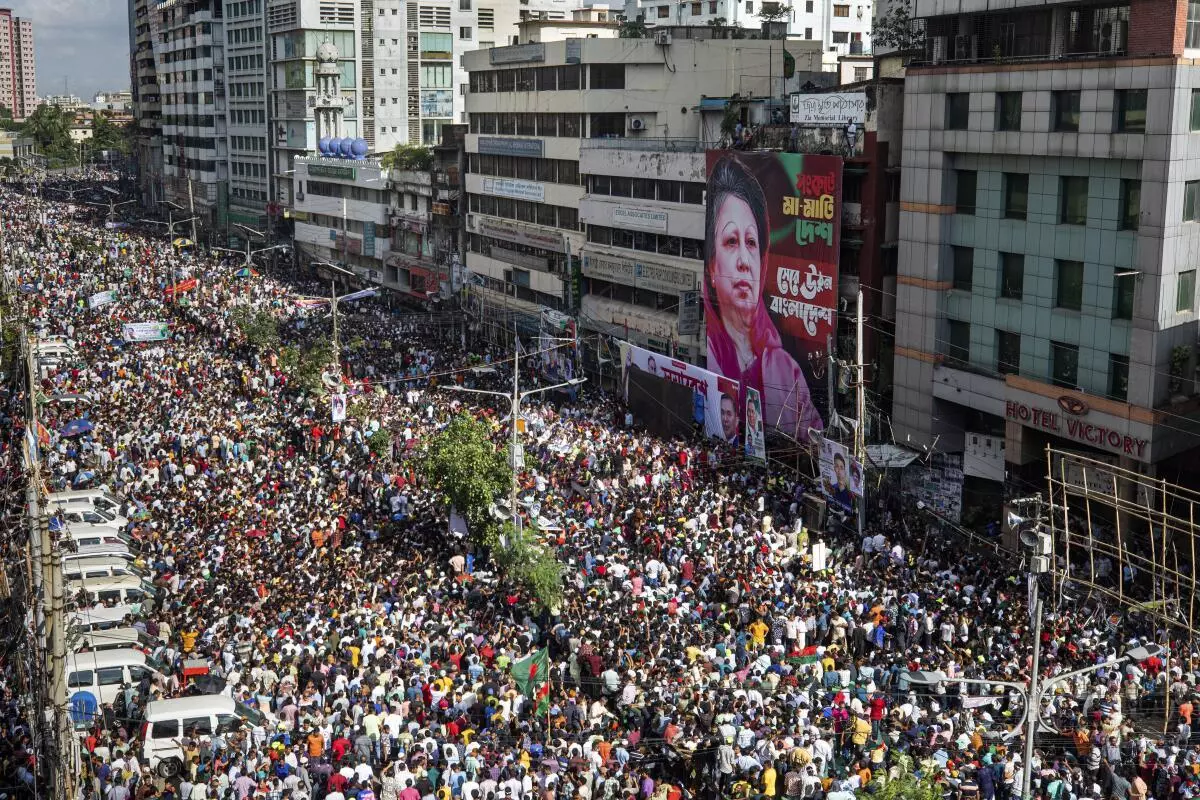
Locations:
column 696, row 652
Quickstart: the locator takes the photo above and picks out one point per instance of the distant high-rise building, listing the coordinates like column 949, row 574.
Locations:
column 18, row 85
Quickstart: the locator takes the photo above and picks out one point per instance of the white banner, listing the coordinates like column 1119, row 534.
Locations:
column 644, row 219
column 101, row 299
column 337, row 407
column 145, row 331
column 516, row 189
column 832, row 109
column 715, row 395
column 756, row 444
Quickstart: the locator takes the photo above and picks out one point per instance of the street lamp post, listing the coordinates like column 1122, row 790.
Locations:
column 333, row 308
column 515, row 405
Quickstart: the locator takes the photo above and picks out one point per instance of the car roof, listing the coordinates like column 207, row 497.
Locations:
column 166, row 709
column 105, row 613
column 98, row 659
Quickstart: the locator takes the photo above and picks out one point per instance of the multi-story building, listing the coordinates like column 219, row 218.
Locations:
column 587, row 156
column 190, row 62
column 144, row 27
column 18, row 67
column 246, row 98
column 842, row 26
column 1050, row 221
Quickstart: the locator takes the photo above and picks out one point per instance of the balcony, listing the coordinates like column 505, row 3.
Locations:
column 688, row 145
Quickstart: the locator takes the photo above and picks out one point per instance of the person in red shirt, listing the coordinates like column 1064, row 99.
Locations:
column 877, row 704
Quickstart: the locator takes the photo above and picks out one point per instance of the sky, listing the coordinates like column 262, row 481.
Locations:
column 84, row 41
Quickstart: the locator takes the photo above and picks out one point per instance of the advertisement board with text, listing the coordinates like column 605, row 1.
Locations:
column 649, row 381
column 772, row 236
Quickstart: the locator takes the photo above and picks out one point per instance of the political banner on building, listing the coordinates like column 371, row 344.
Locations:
column 841, row 475
column 101, row 299
column 145, row 331
column 673, row 396
column 770, row 280
column 756, row 443
column 557, row 345
column 337, row 407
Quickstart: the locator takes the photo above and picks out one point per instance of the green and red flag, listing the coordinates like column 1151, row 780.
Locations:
column 532, row 675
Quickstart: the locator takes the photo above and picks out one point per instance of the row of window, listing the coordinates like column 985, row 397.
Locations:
column 647, row 189
column 254, row 144
column 518, row 254
column 184, row 76
column 245, row 89
column 606, row 125
column 243, row 193
column 1129, row 111
column 517, row 285
column 549, row 79
column 242, row 169
column 187, row 55
column 1064, row 359
column 1072, row 197
column 189, row 120
column 679, row 246
column 250, row 62
column 247, row 116
column 341, row 190
column 546, row 170
column 526, row 211
column 183, row 162
column 244, row 8
column 645, row 298
column 243, row 35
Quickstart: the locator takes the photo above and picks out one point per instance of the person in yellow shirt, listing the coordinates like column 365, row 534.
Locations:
column 758, row 633
column 769, row 778
column 189, row 639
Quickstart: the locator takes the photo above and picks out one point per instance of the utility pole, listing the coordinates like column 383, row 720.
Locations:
column 516, row 416
column 192, row 211
column 860, row 438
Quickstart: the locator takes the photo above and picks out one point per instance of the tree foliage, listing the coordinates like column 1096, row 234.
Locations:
column 632, row 28
column 897, row 29
column 107, row 136
column 259, row 327
column 50, row 129
column 533, row 567
column 409, row 157
column 905, row 786
column 466, row 467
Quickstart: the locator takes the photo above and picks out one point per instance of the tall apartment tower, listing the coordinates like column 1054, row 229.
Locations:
column 144, row 29
column 1049, row 231
column 247, row 93
column 18, row 83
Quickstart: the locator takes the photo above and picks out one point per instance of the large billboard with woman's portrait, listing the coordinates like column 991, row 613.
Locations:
column 770, row 279
column 674, row 397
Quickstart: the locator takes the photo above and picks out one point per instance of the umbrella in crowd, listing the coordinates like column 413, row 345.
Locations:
column 77, row 427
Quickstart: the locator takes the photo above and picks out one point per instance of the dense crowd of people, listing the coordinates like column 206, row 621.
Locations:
column 698, row 650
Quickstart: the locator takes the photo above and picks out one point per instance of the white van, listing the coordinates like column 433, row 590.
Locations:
column 116, row 639
column 102, row 618
column 83, row 535
column 126, row 589
column 100, row 551
column 83, row 512
column 100, row 496
column 102, row 674
column 166, row 722
column 79, row 569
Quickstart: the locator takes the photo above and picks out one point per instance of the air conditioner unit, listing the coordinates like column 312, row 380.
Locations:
column 662, row 37
column 637, row 124
column 1112, row 37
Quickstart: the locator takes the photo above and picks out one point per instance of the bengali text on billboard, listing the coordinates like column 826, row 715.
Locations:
column 712, row 402
column 770, row 279
column 145, row 331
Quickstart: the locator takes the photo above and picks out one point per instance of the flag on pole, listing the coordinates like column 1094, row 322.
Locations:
column 532, row 675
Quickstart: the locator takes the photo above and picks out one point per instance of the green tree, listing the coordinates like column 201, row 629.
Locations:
column 633, row 28
column 904, row 787
column 464, row 464
column 107, row 136
column 50, row 129
column 897, row 29
column 772, row 16
column 408, row 157
column 259, row 327
column 533, row 567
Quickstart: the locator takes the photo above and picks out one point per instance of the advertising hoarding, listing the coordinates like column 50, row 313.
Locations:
column 710, row 399
column 770, row 279
column 841, row 475
column 832, row 109
column 144, row 331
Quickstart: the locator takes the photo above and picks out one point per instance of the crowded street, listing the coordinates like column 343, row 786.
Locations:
column 304, row 571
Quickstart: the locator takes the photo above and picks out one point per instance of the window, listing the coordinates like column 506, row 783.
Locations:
column 1008, row 352
column 841, row 11
column 201, row 725
column 1124, row 283
column 1191, row 201
column 1185, row 292
column 860, row 74
column 1012, row 275
column 1192, row 39
column 712, row 6
column 808, row 33
column 1064, row 111
column 958, row 106
column 749, row 8
column 1068, row 285
column 1131, row 111
column 464, row 32
column 964, row 266
column 607, row 76
column 964, row 191
column 82, row 678
column 1195, row 117
column 695, row 9
column 165, row 729
column 110, row 676
column 1073, row 191
column 1016, row 195
column 1118, row 377
column 1008, row 111
column 959, row 351
column 664, row 12
column 1131, row 204
column 840, row 37
column 1064, row 365
column 808, row 6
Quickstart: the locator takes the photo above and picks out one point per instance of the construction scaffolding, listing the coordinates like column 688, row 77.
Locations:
column 1124, row 543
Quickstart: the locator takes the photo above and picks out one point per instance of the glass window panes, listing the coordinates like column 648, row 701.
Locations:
column 965, row 183
column 1012, row 275
column 1008, row 352
column 1195, row 115
column 1065, row 111
column 1016, row 195
column 964, row 266
column 1124, row 283
column 959, row 351
column 110, row 676
column 1131, row 110
column 1191, row 201
column 1185, row 293
column 1068, row 289
column 1118, row 376
column 1064, row 364
column 1131, row 204
column 957, row 111
column 1073, row 191
column 1008, row 111
column 165, row 729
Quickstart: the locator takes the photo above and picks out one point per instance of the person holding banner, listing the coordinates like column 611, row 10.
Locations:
column 743, row 342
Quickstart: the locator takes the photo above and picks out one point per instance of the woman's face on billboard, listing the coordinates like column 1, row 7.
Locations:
column 737, row 260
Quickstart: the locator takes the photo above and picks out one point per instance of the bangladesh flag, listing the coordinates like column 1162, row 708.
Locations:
column 532, row 675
